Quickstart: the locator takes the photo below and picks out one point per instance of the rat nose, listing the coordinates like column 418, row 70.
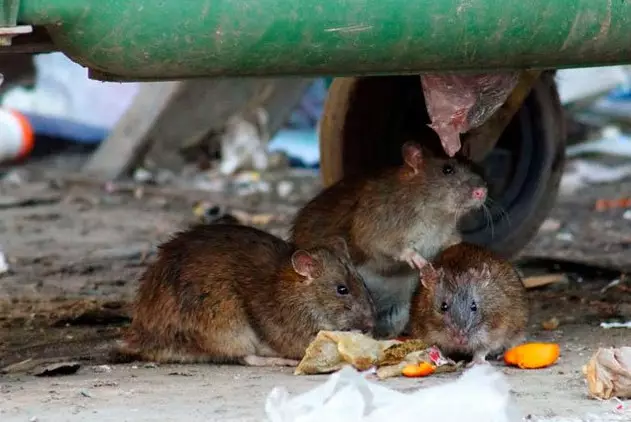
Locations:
column 368, row 325
column 479, row 193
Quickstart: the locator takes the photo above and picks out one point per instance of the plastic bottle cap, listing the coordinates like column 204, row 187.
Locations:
column 17, row 137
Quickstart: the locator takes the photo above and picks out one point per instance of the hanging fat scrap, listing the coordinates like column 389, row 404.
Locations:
column 457, row 103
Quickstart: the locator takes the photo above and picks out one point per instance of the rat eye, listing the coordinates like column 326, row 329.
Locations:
column 448, row 169
column 474, row 307
column 444, row 307
column 342, row 290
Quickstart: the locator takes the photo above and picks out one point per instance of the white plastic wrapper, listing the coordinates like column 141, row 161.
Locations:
column 481, row 394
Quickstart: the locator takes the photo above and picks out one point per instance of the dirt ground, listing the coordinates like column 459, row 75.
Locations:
column 75, row 251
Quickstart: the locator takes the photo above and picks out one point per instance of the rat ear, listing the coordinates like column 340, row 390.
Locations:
column 430, row 276
column 339, row 245
column 305, row 264
column 412, row 155
column 484, row 274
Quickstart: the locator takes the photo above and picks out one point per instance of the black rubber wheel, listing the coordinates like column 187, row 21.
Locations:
column 367, row 119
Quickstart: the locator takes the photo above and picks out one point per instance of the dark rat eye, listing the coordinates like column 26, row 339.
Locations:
column 474, row 307
column 444, row 307
column 342, row 290
column 448, row 169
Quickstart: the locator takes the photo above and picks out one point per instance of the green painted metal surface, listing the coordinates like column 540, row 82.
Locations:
column 144, row 39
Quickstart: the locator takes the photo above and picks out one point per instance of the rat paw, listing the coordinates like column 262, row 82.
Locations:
column 478, row 359
column 413, row 258
column 477, row 363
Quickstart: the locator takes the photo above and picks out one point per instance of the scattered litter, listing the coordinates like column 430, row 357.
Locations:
column 614, row 283
column 581, row 173
column 612, row 142
column 58, row 369
column 565, row 236
column 244, row 142
column 608, row 373
column 142, row 176
column 551, row 324
column 253, row 219
column 347, row 396
column 607, row 204
column 102, row 369
column 550, row 225
column 544, row 280
column 33, row 419
column 627, row 215
column 284, row 188
column 4, row 265
column 150, row 365
column 210, row 213
column 86, row 393
column 608, row 325
column 332, row 350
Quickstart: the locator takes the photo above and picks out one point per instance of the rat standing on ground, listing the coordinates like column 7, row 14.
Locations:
column 398, row 218
column 231, row 293
column 470, row 302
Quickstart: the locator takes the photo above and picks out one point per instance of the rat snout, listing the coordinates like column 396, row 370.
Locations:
column 459, row 336
column 367, row 324
column 479, row 194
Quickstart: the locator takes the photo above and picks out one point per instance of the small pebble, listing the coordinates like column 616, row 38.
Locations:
column 565, row 236
column 102, row 369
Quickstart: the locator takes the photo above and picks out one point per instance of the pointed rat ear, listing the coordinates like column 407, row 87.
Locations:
column 339, row 245
column 412, row 155
column 430, row 276
column 484, row 273
column 305, row 264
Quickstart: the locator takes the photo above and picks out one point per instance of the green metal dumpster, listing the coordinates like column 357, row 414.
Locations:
column 150, row 39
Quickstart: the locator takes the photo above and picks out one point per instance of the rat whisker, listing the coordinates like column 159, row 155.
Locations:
column 489, row 220
column 494, row 205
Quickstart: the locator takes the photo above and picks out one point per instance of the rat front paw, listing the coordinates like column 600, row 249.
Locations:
column 413, row 258
column 478, row 359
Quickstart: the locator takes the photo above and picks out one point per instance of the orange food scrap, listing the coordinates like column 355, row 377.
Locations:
column 422, row 369
column 532, row 355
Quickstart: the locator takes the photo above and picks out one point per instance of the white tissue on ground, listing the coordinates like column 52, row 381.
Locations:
column 481, row 394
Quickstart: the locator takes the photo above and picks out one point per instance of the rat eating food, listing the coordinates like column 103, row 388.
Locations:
column 470, row 301
column 236, row 294
column 394, row 221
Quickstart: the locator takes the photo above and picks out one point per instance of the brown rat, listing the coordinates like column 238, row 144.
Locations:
column 394, row 220
column 470, row 302
column 232, row 293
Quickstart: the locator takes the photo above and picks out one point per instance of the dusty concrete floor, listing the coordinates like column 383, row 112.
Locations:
column 75, row 254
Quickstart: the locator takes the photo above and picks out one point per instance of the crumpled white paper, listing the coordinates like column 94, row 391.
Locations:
column 481, row 394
